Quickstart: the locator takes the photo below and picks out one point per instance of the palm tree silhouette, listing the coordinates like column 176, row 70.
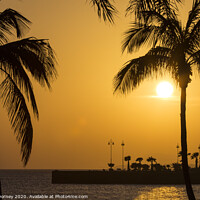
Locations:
column 195, row 156
column 174, row 48
column 18, row 59
column 128, row 158
column 151, row 160
column 140, row 159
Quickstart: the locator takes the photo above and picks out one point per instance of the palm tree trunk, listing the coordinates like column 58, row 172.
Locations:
column 184, row 146
column 0, row 192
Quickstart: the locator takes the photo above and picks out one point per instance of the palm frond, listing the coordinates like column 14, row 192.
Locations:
column 137, row 6
column 167, row 32
column 194, row 155
column 15, row 69
column 169, row 22
column 156, row 22
column 105, row 9
column 137, row 36
column 19, row 116
column 193, row 38
column 12, row 20
column 164, row 7
column 195, row 59
column 136, row 70
column 193, row 17
column 36, row 56
column 192, row 30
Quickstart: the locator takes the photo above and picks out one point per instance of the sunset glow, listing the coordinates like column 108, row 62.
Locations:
column 80, row 114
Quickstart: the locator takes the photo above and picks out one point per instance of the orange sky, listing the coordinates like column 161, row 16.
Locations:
column 81, row 114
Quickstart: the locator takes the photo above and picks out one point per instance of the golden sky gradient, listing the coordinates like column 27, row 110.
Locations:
column 81, row 114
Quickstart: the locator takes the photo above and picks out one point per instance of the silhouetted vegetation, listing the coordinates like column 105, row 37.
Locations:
column 174, row 48
column 151, row 160
column 105, row 9
column 19, row 60
column 139, row 160
column 154, row 166
column 128, row 158
column 177, row 167
column 195, row 156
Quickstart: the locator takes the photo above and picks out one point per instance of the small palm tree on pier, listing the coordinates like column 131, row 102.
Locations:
column 128, row 158
column 140, row 159
column 152, row 161
column 195, row 156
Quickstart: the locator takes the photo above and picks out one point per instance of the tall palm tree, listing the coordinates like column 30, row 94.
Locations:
column 195, row 156
column 18, row 59
column 175, row 48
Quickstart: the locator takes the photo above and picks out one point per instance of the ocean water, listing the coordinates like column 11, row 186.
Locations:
column 36, row 184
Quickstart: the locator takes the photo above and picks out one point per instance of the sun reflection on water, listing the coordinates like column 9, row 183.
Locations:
column 163, row 193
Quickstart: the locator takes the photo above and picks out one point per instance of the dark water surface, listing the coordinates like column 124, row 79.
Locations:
column 36, row 184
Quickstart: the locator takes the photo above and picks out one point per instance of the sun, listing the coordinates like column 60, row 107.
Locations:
column 164, row 89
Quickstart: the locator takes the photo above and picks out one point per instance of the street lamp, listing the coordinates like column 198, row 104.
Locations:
column 177, row 152
column 122, row 144
column 111, row 143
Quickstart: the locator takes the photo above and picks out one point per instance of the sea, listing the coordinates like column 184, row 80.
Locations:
column 36, row 184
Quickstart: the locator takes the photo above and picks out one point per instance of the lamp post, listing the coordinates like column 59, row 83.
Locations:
column 111, row 143
column 177, row 152
column 122, row 144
